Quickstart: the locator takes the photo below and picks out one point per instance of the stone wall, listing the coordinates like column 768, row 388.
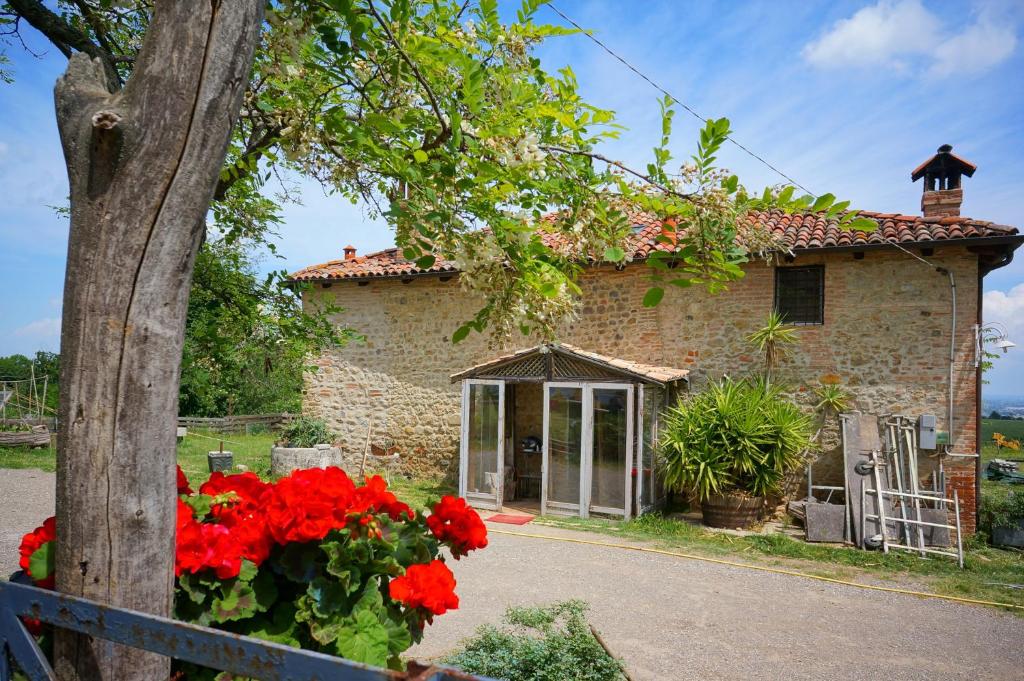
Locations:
column 886, row 339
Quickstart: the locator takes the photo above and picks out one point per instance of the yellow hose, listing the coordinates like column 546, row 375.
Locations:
column 761, row 568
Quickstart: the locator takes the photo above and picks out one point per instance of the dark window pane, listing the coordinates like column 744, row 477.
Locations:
column 800, row 294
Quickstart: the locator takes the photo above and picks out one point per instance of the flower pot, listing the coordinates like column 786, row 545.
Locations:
column 731, row 510
column 283, row 460
column 1009, row 536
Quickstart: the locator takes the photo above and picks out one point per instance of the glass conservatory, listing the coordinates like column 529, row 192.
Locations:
column 558, row 430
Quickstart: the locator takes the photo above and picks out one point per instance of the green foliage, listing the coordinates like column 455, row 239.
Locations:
column 306, row 432
column 45, row 366
column 775, row 340
column 735, row 435
column 247, row 340
column 1001, row 510
column 831, row 399
column 438, row 116
column 551, row 643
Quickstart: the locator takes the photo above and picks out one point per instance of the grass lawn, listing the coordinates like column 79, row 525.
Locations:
column 250, row 450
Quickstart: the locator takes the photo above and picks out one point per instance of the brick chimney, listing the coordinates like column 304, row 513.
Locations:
column 943, row 194
column 350, row 252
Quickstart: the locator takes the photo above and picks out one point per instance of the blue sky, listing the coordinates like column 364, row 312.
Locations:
column 845, row 97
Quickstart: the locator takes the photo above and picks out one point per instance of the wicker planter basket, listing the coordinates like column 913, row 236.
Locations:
column 734, row 511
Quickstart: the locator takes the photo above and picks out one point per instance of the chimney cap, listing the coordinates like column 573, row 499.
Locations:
column 350, row 252
column 944, row 163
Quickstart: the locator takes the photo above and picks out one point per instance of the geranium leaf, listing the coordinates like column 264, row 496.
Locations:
column 364, row 639
column 40, row 563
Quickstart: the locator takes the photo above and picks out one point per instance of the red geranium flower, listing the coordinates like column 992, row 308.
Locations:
column 430, row 586
column 183, row 487
column 308, row 504
column 374, row 496
column 246, row 485
column 456, row 524
column 205, row 545
column 31, row 542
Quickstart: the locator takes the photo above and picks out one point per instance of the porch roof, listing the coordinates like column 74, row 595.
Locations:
column 561, row 361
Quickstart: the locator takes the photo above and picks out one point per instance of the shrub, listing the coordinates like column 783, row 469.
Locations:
column 1001, row 510
column 734, row 436
column 310, row 561
column 552, row 643
column 306, row 432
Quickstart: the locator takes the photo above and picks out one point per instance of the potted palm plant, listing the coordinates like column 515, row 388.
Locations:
column 733, row 444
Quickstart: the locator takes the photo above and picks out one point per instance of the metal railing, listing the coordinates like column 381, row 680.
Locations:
column 211, row 648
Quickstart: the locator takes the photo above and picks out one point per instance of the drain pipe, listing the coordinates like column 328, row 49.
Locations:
column 952, row 349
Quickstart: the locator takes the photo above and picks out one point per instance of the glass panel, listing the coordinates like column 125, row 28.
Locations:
column 611, row 448
column 649, row 433
column 482, row 464
column 565, row 442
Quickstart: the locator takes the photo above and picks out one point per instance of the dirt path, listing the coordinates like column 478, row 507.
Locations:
column 672, row 618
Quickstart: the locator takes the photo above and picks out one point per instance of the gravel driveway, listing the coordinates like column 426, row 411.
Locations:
column 671, row 618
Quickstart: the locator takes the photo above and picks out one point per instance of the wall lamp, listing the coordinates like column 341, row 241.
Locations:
column 993, row 332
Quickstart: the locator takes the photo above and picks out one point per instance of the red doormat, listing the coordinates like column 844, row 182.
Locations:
column 509, row 519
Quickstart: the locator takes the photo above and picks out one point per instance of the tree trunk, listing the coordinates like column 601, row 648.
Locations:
column 142, row 163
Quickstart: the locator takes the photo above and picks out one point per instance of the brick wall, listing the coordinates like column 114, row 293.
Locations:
column 886, row 336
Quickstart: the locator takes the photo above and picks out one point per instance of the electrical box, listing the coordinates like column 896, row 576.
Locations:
column 926, row 433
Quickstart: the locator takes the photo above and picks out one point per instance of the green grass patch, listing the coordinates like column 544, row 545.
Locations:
column 252, row 451
column 25, row 457
column 1010, row 428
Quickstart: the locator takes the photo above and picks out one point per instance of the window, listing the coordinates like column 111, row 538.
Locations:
column 800, row 294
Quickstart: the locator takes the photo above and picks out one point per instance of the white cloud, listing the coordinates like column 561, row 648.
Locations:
column 906, row 36
column 47, row 328
column 981, row 46
column 1007, row 308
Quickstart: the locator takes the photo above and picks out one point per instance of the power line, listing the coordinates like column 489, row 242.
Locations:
column 672, row 97
column 703, row 119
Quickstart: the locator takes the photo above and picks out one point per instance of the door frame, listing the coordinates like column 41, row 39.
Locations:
column 561, row 507
column 473, row 498
column 642, row 508
column 588, row 422
column 583, row 506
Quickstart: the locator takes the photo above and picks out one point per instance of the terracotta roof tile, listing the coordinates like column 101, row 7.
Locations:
column 798, row 232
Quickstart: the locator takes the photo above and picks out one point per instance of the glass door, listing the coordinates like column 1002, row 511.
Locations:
column 588, row 449
column 649, row 404
column 481, row 455
column 562, row 470
column 610, row 465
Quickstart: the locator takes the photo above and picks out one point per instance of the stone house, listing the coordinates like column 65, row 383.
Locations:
column 892, row 315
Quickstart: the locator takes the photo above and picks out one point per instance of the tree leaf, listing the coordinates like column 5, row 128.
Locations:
column 614, row 254
column 653, row 296
column 420, row 156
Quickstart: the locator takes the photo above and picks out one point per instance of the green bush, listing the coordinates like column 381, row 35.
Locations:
column 552, row 643
column 734, row 436
column 306, row 432
column 1001, row 510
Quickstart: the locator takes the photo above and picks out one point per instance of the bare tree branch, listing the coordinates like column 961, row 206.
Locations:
column 550, row 148
column 64, row 36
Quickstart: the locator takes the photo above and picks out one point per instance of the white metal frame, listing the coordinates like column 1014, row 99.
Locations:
column 583, row 507
column 475, row 498
column 561, row 507
column 638, row 455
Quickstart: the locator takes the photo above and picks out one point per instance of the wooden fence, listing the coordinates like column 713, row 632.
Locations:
column 242, row 423
column 236, row 424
